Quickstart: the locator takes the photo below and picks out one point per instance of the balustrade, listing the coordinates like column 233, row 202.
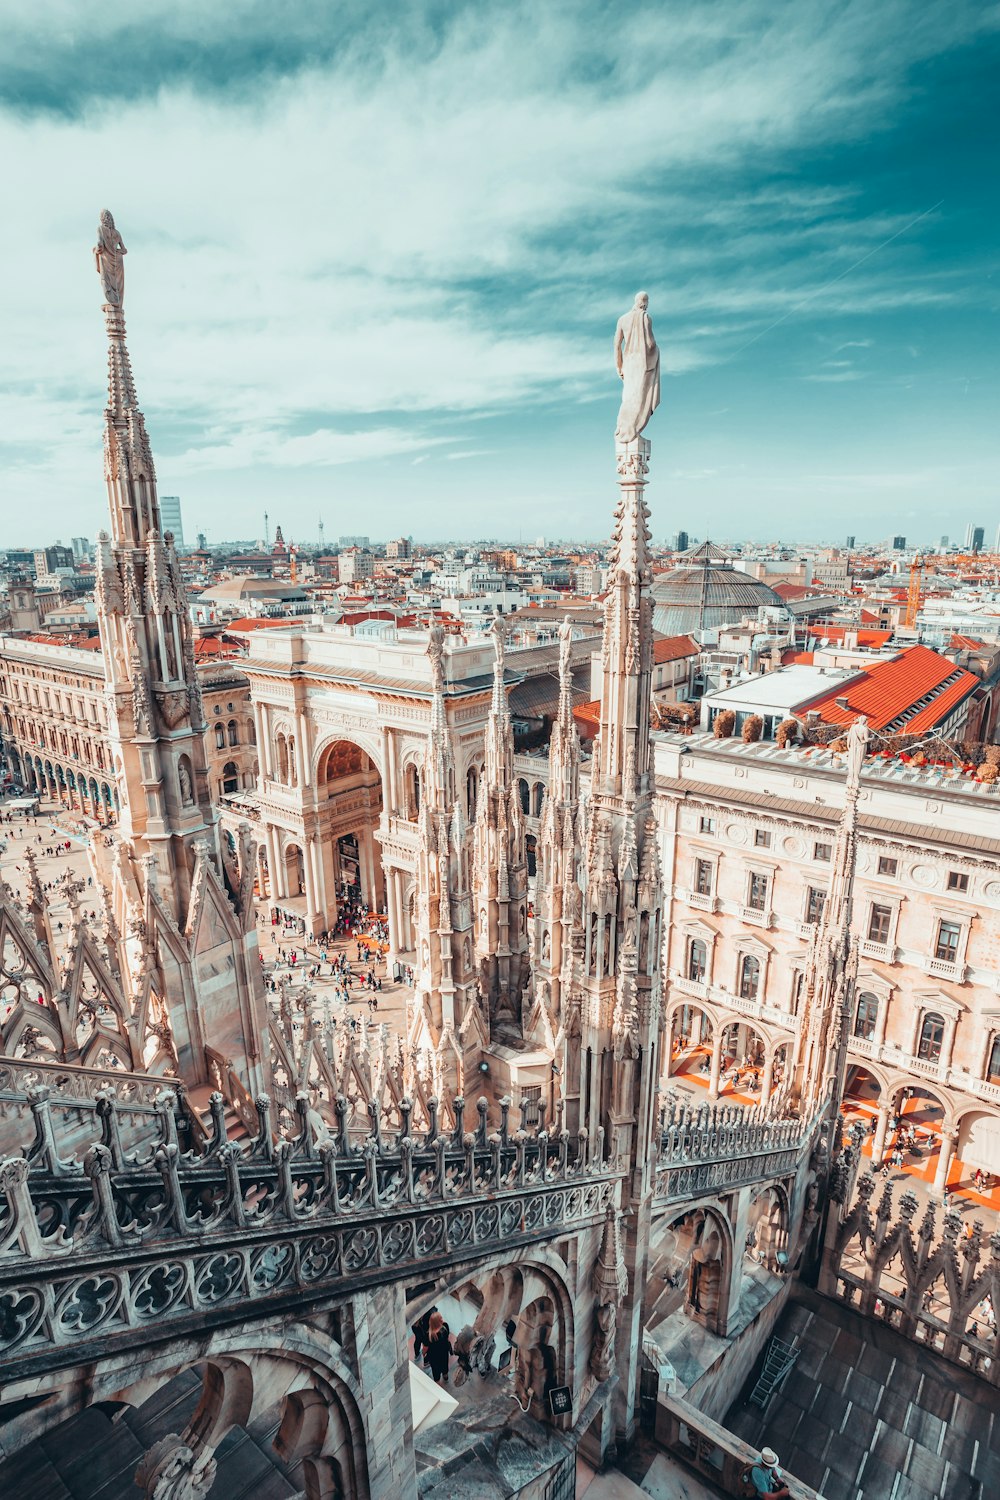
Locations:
column 703, row 1149
column 117, row 1242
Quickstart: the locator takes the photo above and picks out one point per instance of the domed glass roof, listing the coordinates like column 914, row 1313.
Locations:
column 706, row 592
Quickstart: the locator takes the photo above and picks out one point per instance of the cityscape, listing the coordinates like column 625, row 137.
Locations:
column 513, row 1016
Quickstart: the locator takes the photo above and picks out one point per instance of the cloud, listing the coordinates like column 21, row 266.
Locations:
column 349, row 236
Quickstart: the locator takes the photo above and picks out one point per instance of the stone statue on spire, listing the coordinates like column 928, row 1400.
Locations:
column 565, row 650
column 109, row 253
column 637, row 360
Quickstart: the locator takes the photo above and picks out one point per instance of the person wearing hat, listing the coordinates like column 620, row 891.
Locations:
column 765, row 1476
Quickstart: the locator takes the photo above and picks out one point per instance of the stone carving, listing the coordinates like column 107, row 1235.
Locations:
column 435, row 651
column 602, row 1352
column 109, row 255
column 637, row 360
column 174, row 706
column 172, row 1471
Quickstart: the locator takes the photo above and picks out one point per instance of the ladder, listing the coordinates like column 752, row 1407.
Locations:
column 778, row 1360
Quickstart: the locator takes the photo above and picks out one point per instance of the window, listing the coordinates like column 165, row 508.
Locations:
column 749, row 977
column 220, row 737
column 757, row 892
column 815, row 901
column 707, row 825
column 762, row 839
column 866, row 1016
column 703, row 877
column 234, row 733
column 697, row 960
column 958, row 880
column 230, row 777
column 931, row 1038
column 879, row 922
column 946, row 947
column 823, row 852
column 217, row 709
column 887, row 866
column 993, row 1066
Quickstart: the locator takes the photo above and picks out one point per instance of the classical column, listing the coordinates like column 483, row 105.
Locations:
column 881, row 1127
column 713, row 1082
column 262, row 731
column 274, row 860
column 311, row 871
column 767, row 1078
column 949, row 1139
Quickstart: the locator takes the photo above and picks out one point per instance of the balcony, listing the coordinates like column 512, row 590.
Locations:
column 946, row 968
column 980, row 1088
column 884, row 953
column 698, row 902
column 698, row 988
column 756, row 916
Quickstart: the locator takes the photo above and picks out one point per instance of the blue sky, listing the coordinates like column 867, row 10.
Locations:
column 376, row 256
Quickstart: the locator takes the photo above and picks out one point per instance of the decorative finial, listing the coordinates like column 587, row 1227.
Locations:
column 637, row 360
column 109, row 253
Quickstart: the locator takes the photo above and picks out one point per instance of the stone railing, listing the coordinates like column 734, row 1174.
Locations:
column 234, row 1091
column 711, row 1451
column 73, row 1081
column 719, row 995
column 109, row 1249
column 710, row 1148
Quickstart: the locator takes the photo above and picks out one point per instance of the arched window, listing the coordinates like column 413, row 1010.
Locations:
column 525, row 796
column 993, row 1062
column 749, row 977
column 697, row 960
column 230, row 777
column 866, row 1015
column 529, row 855
column 220, row 737
column 537, row 793
column 931, row 1038
column 234, row 733
column 280, row 758
column 251, row 732
column 412, row 793
column 471, row 788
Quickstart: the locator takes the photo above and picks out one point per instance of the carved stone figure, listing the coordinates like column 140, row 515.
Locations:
column 109, row 255
column 184, row 777
column 172, row 1471
column 637, row 360
column 435, row 651
column 602, row 1351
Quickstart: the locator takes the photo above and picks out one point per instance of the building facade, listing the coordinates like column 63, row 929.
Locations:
column 747, row 837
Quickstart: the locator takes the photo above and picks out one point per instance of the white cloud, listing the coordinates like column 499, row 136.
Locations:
column 426, row 226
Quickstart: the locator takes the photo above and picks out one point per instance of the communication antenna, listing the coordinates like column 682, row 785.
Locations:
column 267, row 538
column 321, row 543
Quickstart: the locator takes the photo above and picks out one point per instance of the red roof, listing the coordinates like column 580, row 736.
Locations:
column 210, row 645
column 78, row 642
column 263, row 624
column 912, row 692
column 673, row 648
column 837, row 633
column 789, row 591
column 967, row 643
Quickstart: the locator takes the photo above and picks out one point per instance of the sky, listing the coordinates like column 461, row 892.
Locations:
column 377, row 254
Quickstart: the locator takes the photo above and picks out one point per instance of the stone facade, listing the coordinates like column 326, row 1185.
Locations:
column 54, row 725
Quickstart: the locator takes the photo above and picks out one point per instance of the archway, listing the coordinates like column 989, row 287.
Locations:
column 295, row 870
column 691, row 1262
column 349, row 800
column 688, row 1049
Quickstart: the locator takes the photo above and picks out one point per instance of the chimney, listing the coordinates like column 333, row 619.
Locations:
column 841, row 703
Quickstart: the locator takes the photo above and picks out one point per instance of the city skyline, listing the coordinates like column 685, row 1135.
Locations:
column 811, row 215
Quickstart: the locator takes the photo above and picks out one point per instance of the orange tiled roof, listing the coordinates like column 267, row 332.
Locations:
column 261, row 624
column 910, row 693
column 673, row 648
column 865, row 637
column 967, row 643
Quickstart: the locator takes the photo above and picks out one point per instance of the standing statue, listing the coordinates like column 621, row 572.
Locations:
column 566, row 650
column 109, row 253
column 435, row 650
column 637, row 360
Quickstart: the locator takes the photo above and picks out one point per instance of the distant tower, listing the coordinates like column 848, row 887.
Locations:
column 267, row 537
column 322, row 544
